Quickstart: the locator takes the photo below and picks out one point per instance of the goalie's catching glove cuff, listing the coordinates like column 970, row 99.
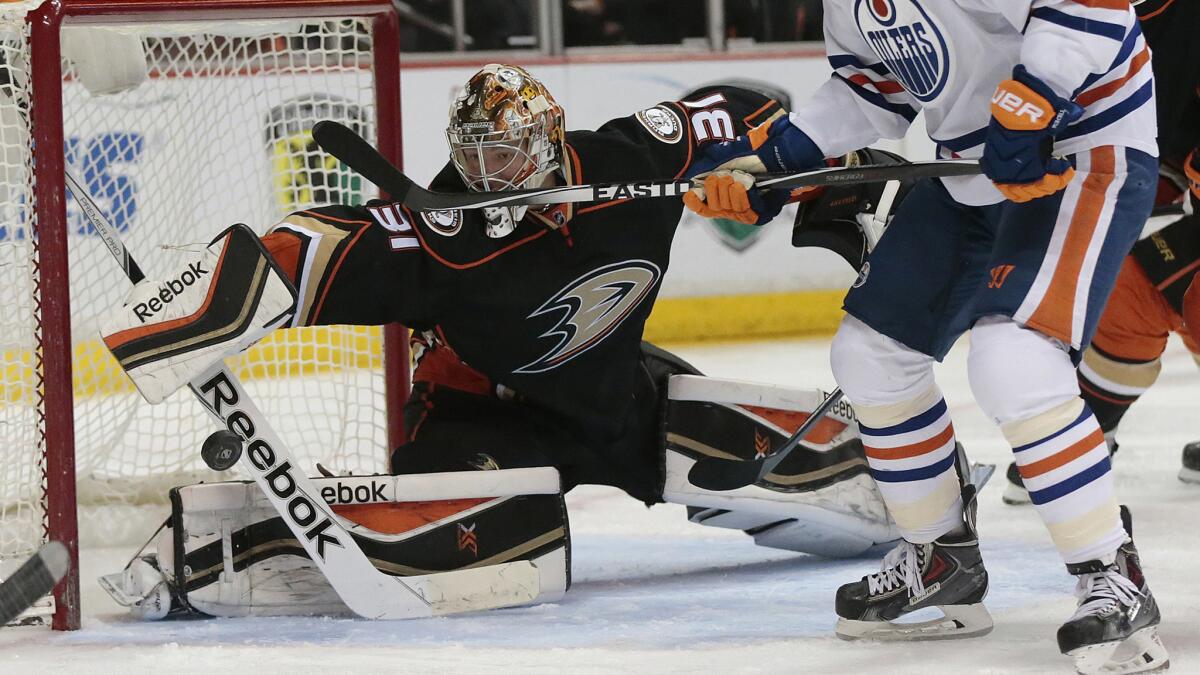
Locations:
column 1018, row 150
column 171, row 331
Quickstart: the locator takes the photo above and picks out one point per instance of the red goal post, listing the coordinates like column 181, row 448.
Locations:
column 283, row 64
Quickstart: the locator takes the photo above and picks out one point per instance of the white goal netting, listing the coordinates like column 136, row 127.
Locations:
column 177, row 129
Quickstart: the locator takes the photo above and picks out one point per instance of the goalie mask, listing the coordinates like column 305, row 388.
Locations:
column 505, row 133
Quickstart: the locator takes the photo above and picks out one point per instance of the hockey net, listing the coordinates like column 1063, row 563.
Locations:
column 180, row 118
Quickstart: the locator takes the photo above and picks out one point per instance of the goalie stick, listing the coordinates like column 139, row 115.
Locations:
column 358, row 154
column 33, row 580
column 364, row 589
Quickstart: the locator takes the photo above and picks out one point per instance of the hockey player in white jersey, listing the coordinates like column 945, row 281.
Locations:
column 1056, row 98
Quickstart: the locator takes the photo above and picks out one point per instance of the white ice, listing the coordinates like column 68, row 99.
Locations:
column 653, row 593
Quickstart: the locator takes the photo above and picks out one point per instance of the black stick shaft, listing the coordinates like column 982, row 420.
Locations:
column 794, row 440
column 108, row 233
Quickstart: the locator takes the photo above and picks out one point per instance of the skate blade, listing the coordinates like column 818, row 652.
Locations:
column 1189, row 476
column 1141, row 652
column 959, row 621
column 1018, row 496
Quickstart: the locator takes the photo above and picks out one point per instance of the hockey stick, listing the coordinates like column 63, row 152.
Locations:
column 720, row 474
column 33, row 580
column 358, row 154
column 364, row 589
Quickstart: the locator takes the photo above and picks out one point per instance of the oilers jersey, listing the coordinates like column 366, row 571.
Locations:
column 894, row 58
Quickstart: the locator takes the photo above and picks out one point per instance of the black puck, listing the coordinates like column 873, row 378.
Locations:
column 221, row 450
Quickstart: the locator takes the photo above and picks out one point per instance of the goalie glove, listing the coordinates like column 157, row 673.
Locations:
column 171, row 331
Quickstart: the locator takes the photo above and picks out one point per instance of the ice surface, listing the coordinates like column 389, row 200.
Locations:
column 656, row 594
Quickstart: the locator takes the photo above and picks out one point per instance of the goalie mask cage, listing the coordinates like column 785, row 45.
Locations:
column 180, row 118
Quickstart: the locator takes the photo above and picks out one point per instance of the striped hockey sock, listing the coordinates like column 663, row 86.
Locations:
column 1064, row 463
column 911, row 452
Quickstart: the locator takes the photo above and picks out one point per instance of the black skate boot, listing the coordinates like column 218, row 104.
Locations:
column 1016, row 494
column 1190, row 471
column 1014, row 490
column 947, row 574
column 1114, row 628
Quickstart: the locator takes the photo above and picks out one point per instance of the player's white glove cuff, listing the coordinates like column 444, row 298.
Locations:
column 170, row 331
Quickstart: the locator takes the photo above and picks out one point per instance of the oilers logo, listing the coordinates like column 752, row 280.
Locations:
column 909, row 42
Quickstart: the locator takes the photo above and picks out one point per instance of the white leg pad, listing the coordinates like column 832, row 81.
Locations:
column 239, row 560
column 820, row 501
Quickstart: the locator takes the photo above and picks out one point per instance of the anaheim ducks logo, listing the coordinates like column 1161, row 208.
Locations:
column 592, row 307
column 662, row 122
column 445, row 223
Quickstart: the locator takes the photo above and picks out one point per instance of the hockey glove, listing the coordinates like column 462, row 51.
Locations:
column 773, row 146
column 171, row 331
column 1017, row 152
column 727, row 194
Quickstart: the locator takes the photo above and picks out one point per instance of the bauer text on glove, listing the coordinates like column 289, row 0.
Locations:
column 1018, row 151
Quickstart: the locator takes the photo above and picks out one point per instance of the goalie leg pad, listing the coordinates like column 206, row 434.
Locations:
column 227, row 552
column 820, row 500
column 169, row 332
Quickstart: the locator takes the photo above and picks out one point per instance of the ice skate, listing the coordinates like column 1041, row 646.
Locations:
column 1014, row 488
column 947, row 574
column 1114, row 630
column 1189, row 472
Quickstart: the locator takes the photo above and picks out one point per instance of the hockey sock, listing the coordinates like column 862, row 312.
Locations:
column 1110, row 385
column 1064, row 463
column 911, row 452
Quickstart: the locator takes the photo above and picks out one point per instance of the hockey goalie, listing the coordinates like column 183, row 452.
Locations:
column 530, row 376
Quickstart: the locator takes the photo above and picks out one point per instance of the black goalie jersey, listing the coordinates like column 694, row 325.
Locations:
column 534, row 339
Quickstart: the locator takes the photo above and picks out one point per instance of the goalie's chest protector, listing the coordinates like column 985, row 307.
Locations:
column 555, row 315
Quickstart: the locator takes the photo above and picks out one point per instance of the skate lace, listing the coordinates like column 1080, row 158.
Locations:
column 1099, row 591
column 901, row 566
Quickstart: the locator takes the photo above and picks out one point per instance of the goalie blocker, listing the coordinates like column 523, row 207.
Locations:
column 170, row 331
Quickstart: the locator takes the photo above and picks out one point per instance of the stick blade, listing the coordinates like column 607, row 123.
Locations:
column 355, row 152
column 33, row 580
column 719, row 475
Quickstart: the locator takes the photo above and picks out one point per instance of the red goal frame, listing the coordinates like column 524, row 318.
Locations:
column 51, row 221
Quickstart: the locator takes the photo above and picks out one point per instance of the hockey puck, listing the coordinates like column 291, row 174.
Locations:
column 221, row 450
